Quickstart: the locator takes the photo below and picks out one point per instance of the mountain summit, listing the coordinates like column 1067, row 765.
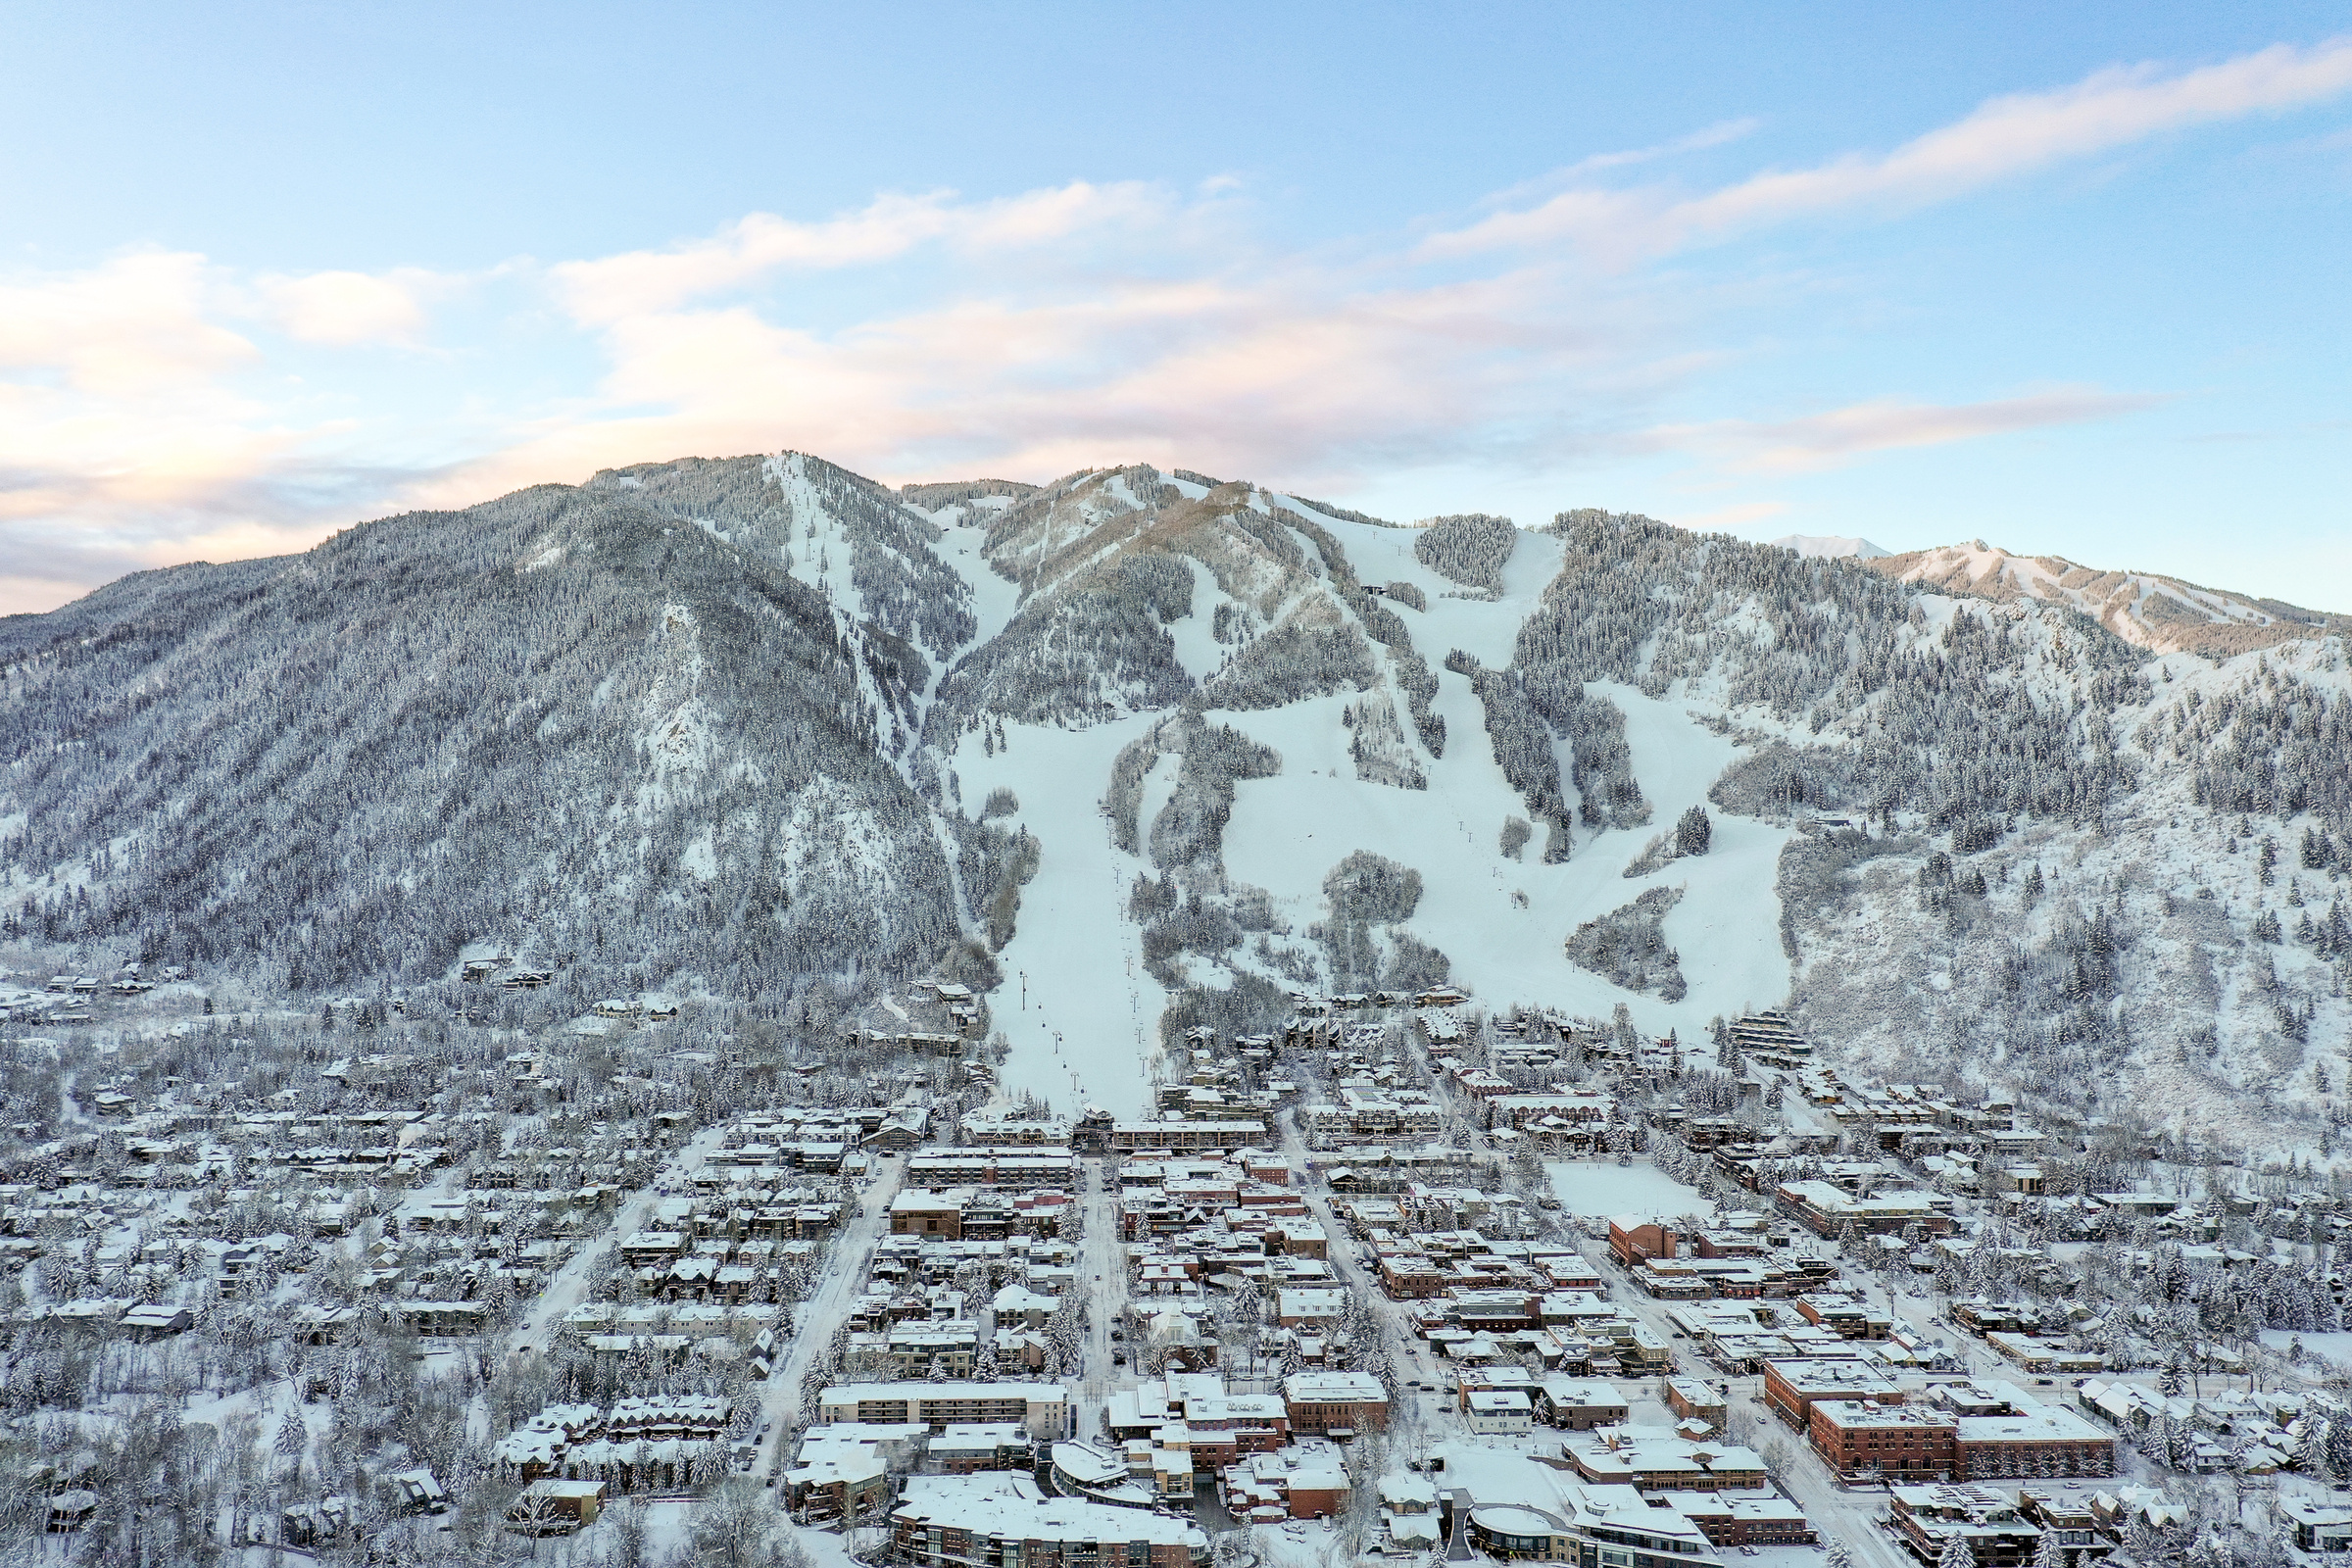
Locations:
column 1137, row 752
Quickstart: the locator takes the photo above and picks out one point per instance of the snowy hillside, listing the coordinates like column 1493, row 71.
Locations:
column 1136, row 751
column 2162, row 614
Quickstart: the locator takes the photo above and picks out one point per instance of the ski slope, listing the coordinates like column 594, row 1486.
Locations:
column 1080, row 1015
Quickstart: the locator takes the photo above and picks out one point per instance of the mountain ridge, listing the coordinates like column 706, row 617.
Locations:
column 1137, row 752
column 2151, row 609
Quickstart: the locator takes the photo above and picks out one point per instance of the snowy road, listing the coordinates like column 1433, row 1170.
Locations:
column 1421, row 1389
column 1102, row 1278
column 844, row 1277
column 569, row 1287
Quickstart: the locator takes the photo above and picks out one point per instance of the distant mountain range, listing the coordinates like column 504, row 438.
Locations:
column 2146, row 609
column 1829, row 546
column 1137, row 752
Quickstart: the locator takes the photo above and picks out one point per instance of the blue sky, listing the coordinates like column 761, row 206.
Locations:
column 2068, row 278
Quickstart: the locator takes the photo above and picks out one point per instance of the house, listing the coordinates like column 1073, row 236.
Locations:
column 156, row 1322
column 2318, row 1526
column 1986, row 1522
column 842, row 1470
column 932, row 1212
column 1499, row 1412
column 1580, row 1404
column 2064, row 1515
column 71, row 1510
column 549, row 1506
column 1306, row 1479
column 1695, row 1400
column 420, row 1492
column 308, row 1524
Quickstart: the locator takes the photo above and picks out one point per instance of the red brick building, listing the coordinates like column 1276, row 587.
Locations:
column 1790, row 1387
column 1898, row 1442
column 1636, row 1239
column 1321, row 1403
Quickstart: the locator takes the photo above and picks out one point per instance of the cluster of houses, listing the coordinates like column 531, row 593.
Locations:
column 70, row 998
column 2010, row 1523
column 2256, row 1431
column 1244, row 1367
column 369, row 1185
column 637, row 1444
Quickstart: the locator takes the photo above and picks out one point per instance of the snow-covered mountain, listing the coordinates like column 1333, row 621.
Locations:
column 1829, row 546
column 2145, row 609
column 1136, row 751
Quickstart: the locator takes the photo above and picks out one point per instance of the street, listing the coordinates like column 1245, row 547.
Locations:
column 1102, row 1284
column 842, row 1279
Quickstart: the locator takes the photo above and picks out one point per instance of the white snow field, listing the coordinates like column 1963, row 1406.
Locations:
column 1599, row 1189
column 1081, row 957
column 1289, row 831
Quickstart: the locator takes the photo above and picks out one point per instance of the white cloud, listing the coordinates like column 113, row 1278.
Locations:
column 614, row 288
column 125, row 329
column 131, row 434
column 2003, row 137
column 341, row 309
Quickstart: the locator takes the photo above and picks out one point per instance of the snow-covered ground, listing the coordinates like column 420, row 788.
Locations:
column 1599, row 1189
column 2336, row 1347
column 1089, row 1024
column 1289, row 831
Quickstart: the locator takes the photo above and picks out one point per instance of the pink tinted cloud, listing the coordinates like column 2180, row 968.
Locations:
column 1267, row 373
column 136, row 431
column 1815, row 442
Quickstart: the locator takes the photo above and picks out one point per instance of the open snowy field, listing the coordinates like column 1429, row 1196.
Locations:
column 2336, row 1347
column 1602, row 1188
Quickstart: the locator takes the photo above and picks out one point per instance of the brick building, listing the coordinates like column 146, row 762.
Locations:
column 1636, row 1239
column 1327, row 1404
column 1904, row 1443
column 1959, row 1431
column 1791, row 1386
